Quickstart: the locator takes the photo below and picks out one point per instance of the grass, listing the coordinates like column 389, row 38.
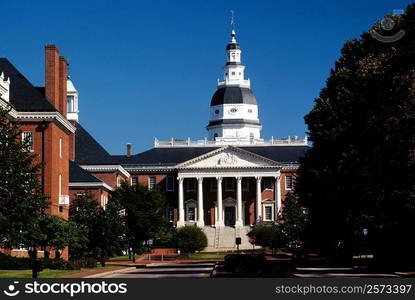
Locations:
column 204, row 256
column 46, row 273
column 122, row 257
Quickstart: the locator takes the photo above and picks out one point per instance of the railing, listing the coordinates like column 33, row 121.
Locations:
column 288, row 141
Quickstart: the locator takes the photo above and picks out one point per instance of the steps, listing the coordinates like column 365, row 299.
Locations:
column 223, row 238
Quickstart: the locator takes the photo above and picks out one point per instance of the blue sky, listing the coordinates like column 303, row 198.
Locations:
column 148, row 69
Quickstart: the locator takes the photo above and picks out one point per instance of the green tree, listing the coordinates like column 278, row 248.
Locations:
column 96, row 232
column 292, row 221
column 145, row 213
column 22, row 203
column 56, row 233
column 189, row 239
column 359, row 172
column 267, row 236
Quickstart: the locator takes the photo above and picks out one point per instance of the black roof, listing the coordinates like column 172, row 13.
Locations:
column 88, row 150
column 233, row 46
column 233, row 94
column 23, row 95
column 233, row 121
column 173, row 156
column 77, row 174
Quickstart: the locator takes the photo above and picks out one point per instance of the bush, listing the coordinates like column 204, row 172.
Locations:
column 87, row 262
column 244, row 264
column 189, row 239
column 267, row 236
column 54, row 264
column 14, row 263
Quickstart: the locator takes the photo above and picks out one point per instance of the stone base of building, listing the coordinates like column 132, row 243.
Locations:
column 223, row 238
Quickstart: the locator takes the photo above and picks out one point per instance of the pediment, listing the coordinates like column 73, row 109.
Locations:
column 228, row 157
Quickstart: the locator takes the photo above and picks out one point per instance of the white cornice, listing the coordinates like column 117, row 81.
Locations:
column 90, row 185
column 48, row 116
column 106, row 168
column 271, row 163
column 6, row 105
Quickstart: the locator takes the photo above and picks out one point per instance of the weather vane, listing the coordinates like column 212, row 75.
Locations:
column 232, row 20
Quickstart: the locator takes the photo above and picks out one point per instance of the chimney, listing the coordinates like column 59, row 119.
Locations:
column 128, row 149
column 52, row 75
column 63, row 77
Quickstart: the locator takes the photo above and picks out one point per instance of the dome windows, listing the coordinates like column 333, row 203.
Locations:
column 250, row 111
column 217, row 111
column 233, row 110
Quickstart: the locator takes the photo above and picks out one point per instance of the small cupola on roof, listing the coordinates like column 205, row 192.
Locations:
column 233, row 108
column 72, row 101
column 4, row 87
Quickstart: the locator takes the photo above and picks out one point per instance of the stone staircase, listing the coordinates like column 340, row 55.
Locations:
column 223, row 238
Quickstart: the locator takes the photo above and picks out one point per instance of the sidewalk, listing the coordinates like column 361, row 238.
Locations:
column 95, row 272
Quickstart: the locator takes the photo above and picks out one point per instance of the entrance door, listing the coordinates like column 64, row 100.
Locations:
column 229, row 215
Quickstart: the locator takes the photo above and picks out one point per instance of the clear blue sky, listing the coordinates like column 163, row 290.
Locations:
column 148, row 69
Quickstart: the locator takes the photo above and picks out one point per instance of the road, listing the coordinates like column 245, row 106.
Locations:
column 168, row 270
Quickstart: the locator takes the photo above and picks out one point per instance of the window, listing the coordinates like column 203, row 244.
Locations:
column 60, row 208
column 118, row 181
column 60, row 147
column 191, row 215
column 70, row 102
column 217, row 111
column 266, row 183
column 170, row 184
column 245, row 184
column 215, row 136
column 170, row 215
column 229, row 184
column 60, row 184
column 233, row 110
column 27, row 139
column 251, row 137
column 152, row 183
column 134, row 180
column 268, row 213
column 233, row 73
column 289, row 182
column 190, row 185
column 213, row 185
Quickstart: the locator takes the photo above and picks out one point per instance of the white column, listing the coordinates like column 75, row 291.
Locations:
column 180, row 222
column 239, row 221
column 258, row 199
column 219, row 218
column 200, row 212
column 277, row 196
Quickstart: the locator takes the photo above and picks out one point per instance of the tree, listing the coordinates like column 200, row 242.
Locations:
column 267, row 236
column 144, row 210
column 190, row 239
column 359, row 173
column 96, row 232
column 292, row 221
column 56, row 233
column 22, row 203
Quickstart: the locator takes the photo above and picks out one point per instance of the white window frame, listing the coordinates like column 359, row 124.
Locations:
column 24, row 139
column 264, row 212
column 292, row 183
column 149, row 183
column 170, row 185
column 132, row 180
column 191, row 204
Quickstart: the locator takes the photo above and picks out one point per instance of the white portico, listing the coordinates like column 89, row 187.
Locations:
column 220, row 164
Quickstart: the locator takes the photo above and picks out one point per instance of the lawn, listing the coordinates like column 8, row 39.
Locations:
column 122, row 257
column 204, row 256
column 46, row 273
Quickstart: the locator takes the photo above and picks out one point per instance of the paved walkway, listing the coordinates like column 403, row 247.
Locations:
column 339, row 272
column 167, row 270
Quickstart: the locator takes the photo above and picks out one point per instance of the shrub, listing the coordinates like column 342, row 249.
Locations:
column 54, row 264
column 14, row 263
column 189, row 239
column 267, row 236
column 72, row 265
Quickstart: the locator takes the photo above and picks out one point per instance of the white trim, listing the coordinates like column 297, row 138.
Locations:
column 105, row 168
column 49, row 116
column 292, row 182
column 90, row 184
column 268, row 204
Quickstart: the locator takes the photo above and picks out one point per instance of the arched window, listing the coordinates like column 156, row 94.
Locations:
column 215, row 136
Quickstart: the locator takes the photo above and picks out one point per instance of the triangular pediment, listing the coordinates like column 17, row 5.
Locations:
column 228, row 157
